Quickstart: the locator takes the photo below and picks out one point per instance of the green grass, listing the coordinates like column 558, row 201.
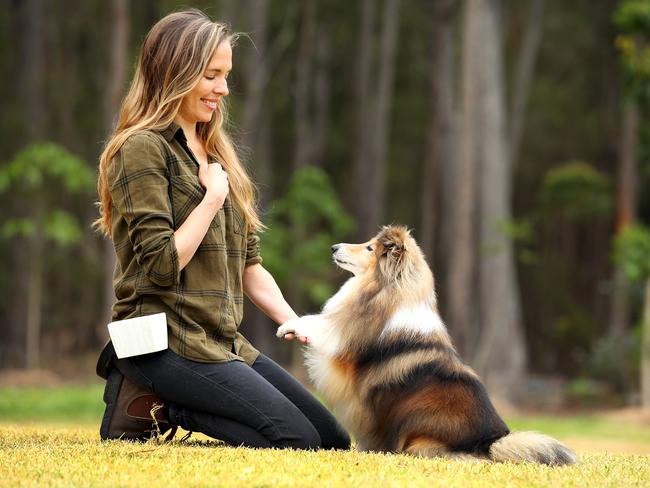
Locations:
column 586, row 426
column 81, row 403
column 39, row 455
column 49, row 437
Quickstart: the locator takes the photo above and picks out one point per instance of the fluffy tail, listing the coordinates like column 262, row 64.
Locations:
column 531, row 446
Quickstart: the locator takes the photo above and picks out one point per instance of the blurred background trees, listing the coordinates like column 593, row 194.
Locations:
column 511, row 136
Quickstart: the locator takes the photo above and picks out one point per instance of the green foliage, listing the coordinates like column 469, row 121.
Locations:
column 62, row 228
column 303, row 224
column 17, row 228
column 633, row 17
column 615, row 360
column 42, row 163
column 633, row 20
column 522, row 233
column 632, row 252
column 577, row 190
column 37, row 175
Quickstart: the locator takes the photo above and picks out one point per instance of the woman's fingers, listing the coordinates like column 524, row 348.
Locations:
column 290, row 337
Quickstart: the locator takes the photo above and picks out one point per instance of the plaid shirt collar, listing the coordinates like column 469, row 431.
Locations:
column 170, row 132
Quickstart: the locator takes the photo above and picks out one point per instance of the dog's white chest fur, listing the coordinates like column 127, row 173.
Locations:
column 420, row 318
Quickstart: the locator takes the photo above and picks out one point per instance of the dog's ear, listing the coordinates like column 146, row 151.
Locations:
column 393, row 239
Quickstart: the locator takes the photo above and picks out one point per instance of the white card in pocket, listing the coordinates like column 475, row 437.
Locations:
column 140, row 335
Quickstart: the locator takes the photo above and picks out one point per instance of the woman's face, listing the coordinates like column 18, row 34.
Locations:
column 199, row 104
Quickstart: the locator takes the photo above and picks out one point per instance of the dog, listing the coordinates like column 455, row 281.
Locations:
column 383, row 360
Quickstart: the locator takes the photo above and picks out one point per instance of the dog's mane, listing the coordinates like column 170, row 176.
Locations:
column 401, row 277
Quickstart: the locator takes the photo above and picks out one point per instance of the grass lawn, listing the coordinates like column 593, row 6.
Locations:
column 49, row 437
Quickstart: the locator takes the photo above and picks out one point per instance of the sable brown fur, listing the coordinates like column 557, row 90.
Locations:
column 384, row 362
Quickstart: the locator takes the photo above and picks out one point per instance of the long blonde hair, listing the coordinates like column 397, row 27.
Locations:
column 173, row 57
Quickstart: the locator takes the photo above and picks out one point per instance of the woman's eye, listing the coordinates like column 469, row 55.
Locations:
column 209, row 78
column 369, row 248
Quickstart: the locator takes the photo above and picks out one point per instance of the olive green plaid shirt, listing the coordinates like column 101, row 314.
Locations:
column 154, row 185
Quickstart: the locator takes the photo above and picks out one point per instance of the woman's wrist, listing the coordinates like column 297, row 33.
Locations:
column 284, row 317
column 213, row 201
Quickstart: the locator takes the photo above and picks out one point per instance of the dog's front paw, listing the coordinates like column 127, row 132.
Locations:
column 286, row 328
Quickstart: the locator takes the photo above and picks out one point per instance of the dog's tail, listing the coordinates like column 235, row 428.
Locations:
column 531, row 446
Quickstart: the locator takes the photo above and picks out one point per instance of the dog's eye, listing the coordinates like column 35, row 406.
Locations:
column 369, row 248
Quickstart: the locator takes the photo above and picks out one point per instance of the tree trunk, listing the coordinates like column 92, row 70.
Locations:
column 626, row 201
column 523, row 78
column 114, row 92
column 461, row 293
column 303, row 150
column 35, row 296
column 645, row 349
column 441, row 130
column 363, row 96
column 256, row 139
column 374, row 115
column 34, row 77
column 37, row 116
column 321, row 97
column 501, row 355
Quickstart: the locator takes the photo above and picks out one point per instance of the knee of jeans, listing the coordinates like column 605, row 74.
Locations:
column 305, row 438
column 340, row 441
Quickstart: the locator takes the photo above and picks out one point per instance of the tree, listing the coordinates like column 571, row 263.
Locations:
column 631, row 240
column 114, row 93
column 462, row 251
column 374, row 101
column 632, row 253
column 35, row 176
column 303, row 225
column 439, row 162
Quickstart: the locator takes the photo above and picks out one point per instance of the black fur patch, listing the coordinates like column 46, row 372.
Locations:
column 382, row 352
column 484, row 425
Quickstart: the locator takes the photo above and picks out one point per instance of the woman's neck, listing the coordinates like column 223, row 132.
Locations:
column 189, row 129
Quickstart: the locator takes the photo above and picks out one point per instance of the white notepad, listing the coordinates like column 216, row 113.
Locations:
column 140, row 335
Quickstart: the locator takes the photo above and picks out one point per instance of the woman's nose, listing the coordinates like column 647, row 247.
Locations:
column 222, row 89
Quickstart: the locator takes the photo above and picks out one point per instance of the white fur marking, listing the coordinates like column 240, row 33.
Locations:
column 322, row 336
column 420, row 319
column 340, row 296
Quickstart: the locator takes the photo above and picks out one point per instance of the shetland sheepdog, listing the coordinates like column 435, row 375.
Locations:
column 383, row 360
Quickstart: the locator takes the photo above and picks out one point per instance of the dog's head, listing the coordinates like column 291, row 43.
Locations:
column 389, row 254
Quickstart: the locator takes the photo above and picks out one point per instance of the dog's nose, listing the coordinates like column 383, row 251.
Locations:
column 334, row 248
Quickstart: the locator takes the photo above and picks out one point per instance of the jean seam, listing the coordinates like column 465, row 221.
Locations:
column 222, row 388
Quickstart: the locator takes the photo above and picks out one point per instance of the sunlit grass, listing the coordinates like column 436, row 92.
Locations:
column 49, row 437
column 41, row 455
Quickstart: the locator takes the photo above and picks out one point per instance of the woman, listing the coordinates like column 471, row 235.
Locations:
column 180, row 210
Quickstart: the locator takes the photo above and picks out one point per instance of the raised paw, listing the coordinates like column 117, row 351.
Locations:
column 285, row 329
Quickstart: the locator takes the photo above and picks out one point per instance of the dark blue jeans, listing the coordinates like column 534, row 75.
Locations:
column 258, row 406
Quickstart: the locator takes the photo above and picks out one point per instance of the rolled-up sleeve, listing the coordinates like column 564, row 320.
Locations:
column 253, row 249
column 139, row 184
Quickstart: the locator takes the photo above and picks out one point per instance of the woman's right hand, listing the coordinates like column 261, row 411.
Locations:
column 215, row 180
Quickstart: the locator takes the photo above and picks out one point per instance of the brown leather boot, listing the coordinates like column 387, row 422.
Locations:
column 128, row 413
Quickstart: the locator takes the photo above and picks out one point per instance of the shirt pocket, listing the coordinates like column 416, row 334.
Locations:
column 186, row 193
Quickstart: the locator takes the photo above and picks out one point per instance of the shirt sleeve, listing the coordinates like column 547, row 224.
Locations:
column 253, row 249
column 139, row 188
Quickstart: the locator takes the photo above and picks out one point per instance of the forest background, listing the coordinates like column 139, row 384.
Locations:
column 511, row 136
